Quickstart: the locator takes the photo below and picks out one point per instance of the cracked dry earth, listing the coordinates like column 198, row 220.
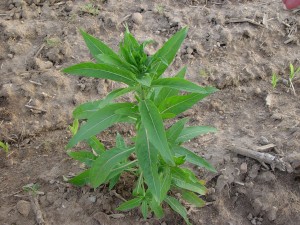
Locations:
column 233, row 45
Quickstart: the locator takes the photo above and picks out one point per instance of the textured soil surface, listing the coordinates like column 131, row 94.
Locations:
column 233, row 45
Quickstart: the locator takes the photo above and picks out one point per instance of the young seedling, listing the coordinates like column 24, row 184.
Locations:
column 292, row 75
column 4, row 146
column 90, row 8
column 275, row 80
column 159, row 154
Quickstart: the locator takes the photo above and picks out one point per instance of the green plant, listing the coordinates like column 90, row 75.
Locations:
column 90, row 8
column 158, row 152
column 274, row 80
column 32, row 188
column 292, row 75
column 4, row 146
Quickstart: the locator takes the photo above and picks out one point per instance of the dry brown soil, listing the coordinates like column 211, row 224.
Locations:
column 234, row 45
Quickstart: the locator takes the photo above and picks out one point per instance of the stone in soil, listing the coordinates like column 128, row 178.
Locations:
column 23, row 207
column 137, row 18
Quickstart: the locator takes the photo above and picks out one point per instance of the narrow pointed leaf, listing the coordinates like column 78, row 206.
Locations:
column 81, row 179
column 96, row 46
column 147, row 158
column 193, row 158
column 192, row 198
column 113, row 181
column 182, row 85
column 120, row 142
column 121, row 167
column 98, row 122
column 174, row 131
column 115, row 60
column 167, row 92
column 104, row 164
column 156, row 208
column 165, row 180
column 144, row 209
column 139, row 188
column 177, row 207
column 179, row 104
column 155, row 130
column 168, row 51
column 133, row 203
column 85, row 157
column 189, row 133
column 85, row 110
column 96, row 145
column 103, row 71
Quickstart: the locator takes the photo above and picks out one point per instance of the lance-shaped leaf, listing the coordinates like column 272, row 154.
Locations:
column 85, row 110
column 154, row 127
column 192, row 198
column 103, row 71
column 166, row 92
column 96, row 145
column 189, row 133
column 133, row 203
column 193, row 158
column 98, row 122
column 167, row 52
column 182, row 180
column 81, row 179
column 120, row 142
column 181, row 85
column 96, row 46
column 177, row 207
column 104, row 164
column 174, row 131
column 165, row 180
column 178, row 104
column 121, row 167
column 144, row 209
column 147, row 158
column 85, row 157
column 113, row 181
column 156, row 208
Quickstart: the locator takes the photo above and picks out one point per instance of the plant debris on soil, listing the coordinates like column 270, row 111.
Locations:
column 232, row 45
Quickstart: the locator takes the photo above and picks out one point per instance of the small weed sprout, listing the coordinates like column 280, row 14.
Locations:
column 52, row 42
column 4, row 146
column 292, row 75
column 91, row 9
column 31, row 188
column 158, row 156
column 274, row 80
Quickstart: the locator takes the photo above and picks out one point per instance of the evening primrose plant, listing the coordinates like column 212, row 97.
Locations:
column 158, row 154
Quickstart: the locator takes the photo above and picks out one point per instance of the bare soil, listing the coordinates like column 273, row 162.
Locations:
column 234, row 45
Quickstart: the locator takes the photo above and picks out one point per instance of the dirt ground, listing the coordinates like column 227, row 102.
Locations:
column 233, row 45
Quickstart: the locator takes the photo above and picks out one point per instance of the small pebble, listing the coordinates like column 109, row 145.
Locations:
column 23, row 207
column 257, row 91
column 189, row 50
column 250, row 217
column 253, row 221
column 10, row 56
column 92, row 199
column 137, row 18
column 272, row 213
column 263, row 140
column 244, row 168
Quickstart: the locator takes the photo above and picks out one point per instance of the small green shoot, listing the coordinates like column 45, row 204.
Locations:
column 31, row 188
column 52, row 42
column 292, row 75
column 158, row 152
column 90, row 8
column 4, row 146
column 275, row 80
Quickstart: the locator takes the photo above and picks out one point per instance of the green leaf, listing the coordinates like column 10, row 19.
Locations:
column 74, row 127
column 120, row 142
column 96, row 46
column 83, row 156
column 178, row 104
column 168, row 51
column 292, row 71
column 96, row 145
column 81, row 179
column 114, row 60
column 139, row 188
column 99, row 121
column 192, row 198
column 103, row 71
column 113, row 181
column 166, row 92
column 144, row 209
column 193, row 158
column 104, row 164
column 165, row 180
column 155, row 129
column 181, row 179
column 133, row 203
column 177, row 207
column 181, row 85
column 156, row 208
column 147, row 159
column 174, row 131
column 85, row 110
column 121, row 167
column 189, row 133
